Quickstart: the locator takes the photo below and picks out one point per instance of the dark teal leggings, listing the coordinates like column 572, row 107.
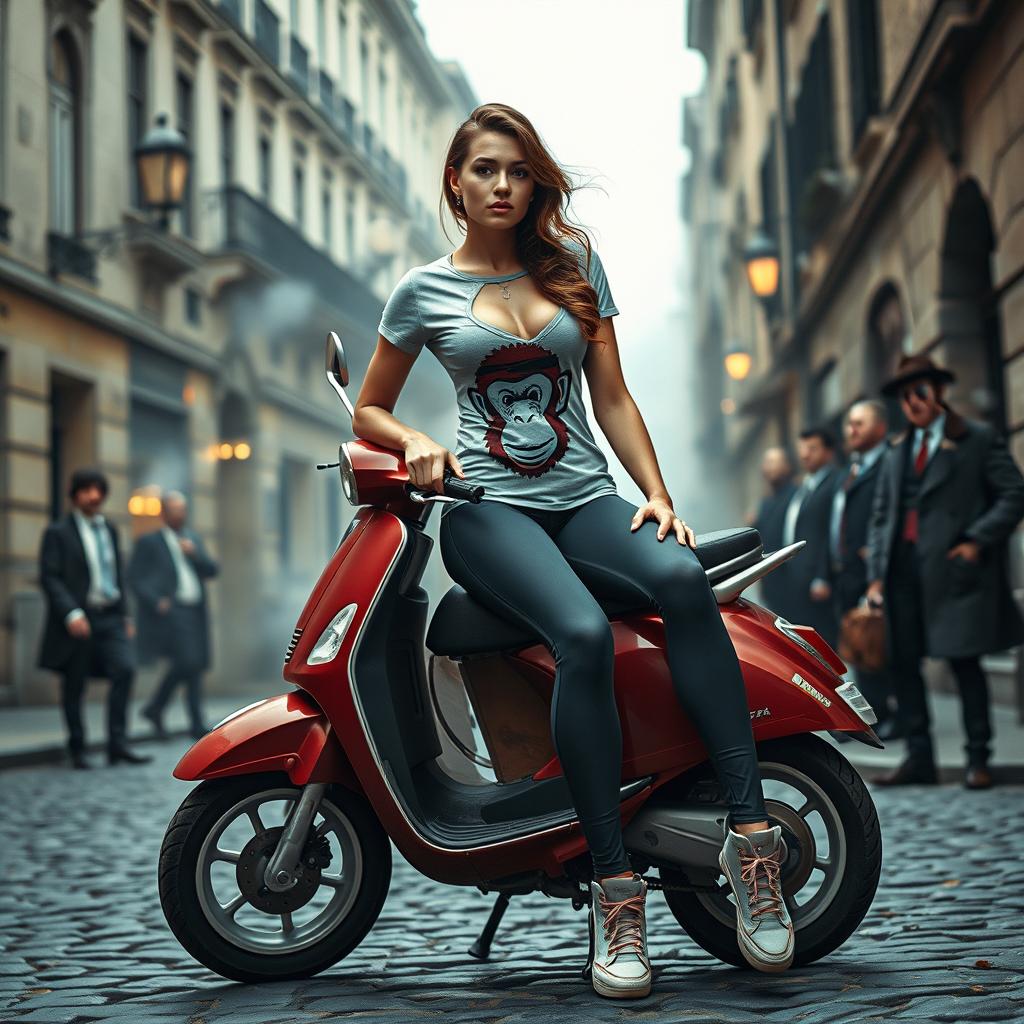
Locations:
column 539, row 565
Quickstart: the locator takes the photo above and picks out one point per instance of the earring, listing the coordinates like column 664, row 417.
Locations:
column 458, row 201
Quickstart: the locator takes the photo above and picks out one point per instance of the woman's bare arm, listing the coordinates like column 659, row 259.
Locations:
column 373, row 419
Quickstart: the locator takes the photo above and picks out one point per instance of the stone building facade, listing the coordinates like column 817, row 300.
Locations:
column 193, row 357
column 880, row 143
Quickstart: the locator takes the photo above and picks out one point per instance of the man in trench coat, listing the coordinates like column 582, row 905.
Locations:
column 949, row 495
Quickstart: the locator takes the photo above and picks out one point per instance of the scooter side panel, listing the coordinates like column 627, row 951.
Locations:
column 659, row 737
column 286, row 733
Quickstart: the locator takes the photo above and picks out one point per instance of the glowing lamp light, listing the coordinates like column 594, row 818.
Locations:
column 163, row 160
column 738, row 362
column 152, row 506
column 242, row 450
column 226, row 450
column 761, row 257
column 137, row 505
column 728, row 406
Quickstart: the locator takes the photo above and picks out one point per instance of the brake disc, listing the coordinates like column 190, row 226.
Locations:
column 252, row 866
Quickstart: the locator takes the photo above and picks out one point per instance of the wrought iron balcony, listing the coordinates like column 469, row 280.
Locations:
column 325, row 93
column 65, row 253
column 345, row 117
column 267, row 36
column 298, row 65
column 254, row 231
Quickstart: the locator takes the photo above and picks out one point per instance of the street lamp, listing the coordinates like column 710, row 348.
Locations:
column 737, row 362
column 162, row 160
column 762, row 259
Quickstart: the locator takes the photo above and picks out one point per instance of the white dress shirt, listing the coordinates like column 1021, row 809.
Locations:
column 810, row 482
column 95, row 597
column 189, row 590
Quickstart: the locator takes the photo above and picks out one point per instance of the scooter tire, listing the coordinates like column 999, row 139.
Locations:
column 848, row 793
column 179, row 856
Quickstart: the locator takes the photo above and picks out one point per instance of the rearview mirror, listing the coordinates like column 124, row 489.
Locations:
column 337, row 368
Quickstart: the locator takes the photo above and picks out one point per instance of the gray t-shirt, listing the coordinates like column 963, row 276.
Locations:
column 523, row 431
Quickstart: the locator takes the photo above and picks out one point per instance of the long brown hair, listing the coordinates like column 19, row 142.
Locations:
column 554, row 268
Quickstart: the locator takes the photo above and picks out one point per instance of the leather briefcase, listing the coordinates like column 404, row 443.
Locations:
column 862, row 638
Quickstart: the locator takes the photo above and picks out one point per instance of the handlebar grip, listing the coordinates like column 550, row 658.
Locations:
column 455, row 487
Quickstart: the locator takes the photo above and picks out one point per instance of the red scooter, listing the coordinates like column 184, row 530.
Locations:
column 278, row 863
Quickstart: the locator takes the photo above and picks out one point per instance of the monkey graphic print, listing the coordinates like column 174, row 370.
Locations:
column 523, row 432
column 521, row 392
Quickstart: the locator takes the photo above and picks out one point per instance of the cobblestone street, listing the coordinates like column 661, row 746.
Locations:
column 84, row 938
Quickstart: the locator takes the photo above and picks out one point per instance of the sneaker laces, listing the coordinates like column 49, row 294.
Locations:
column 623, row 922
column 766, row 866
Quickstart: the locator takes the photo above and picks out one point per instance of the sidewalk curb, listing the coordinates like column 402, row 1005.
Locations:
column 58, row 753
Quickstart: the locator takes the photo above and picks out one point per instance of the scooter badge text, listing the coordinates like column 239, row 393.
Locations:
column 807, row 688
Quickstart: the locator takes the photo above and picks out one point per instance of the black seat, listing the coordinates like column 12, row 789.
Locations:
column 461, row 625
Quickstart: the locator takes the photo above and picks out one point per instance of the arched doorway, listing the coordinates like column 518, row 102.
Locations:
column 968, row 312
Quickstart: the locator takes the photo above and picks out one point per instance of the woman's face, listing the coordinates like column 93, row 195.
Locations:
column 494, row 171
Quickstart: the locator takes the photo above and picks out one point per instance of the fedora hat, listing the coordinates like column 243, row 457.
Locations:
column 913, row 368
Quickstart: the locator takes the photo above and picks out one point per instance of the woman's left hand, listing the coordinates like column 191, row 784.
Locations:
column 666, row 519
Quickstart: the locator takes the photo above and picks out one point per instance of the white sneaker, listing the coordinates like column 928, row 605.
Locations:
column 618, row 964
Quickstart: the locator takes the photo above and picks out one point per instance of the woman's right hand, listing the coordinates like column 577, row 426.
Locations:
column 426, row 460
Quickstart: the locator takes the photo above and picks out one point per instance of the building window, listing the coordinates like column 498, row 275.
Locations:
column 342, row 47
column 227, row 144
column 265, row 164
column 184, row 96
column 364, row 78
column 293, row 16
column 862, row 54
column 65, row 136
column 321, row 31
column 299, row 193
column 327, row 212
column 193, row 307
column 138, row 62
column 382, row 100
column 349, row 240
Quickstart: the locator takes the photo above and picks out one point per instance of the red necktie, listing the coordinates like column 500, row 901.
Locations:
column 920, row 461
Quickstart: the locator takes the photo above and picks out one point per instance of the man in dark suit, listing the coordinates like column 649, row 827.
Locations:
column 87, row 629
column 168, row 573
column 949, row 495
column 778, row 475
column 809, row 594
column 865, row 429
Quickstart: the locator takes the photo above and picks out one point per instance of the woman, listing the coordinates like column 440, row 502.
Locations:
column 513, row 315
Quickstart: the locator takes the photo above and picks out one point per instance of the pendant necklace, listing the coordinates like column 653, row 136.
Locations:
column 505, row 293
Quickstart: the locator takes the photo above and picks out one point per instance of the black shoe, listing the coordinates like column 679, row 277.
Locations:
column 116, row 754
column 79, row 761
column 909, row 773
column 156, row 720
column 979, row 776
column 888, row 730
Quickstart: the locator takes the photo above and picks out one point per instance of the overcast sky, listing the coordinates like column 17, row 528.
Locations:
column 603, row 82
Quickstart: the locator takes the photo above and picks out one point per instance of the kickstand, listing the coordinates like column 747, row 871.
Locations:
column 588, row 968
column 481, row 949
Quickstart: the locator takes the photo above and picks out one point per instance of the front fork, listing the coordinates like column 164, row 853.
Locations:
column 282, row 869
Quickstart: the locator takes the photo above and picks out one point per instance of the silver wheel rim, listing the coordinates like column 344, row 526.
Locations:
column 827, row 870
column 236, row 920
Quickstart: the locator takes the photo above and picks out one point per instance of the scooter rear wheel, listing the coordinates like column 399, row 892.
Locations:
column 835, row 854
column 211, row 890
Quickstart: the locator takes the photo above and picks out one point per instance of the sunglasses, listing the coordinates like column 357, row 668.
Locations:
column 922, row 391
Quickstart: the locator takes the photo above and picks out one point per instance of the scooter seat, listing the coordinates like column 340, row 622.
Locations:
column 462, row 625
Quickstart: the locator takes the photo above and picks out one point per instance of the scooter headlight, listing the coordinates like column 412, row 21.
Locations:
column 348, row 475
column 331, row 639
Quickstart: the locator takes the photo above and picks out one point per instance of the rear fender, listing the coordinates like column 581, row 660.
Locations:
column 288, row 733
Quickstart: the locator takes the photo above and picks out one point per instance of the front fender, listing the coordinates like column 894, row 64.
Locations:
column 288, row 733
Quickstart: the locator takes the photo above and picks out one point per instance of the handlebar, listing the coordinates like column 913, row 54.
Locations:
column 454, row 487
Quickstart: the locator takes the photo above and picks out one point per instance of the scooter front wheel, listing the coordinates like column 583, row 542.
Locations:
column 834, row 856
column 212, row 863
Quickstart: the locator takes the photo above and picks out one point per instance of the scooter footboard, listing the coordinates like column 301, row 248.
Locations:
column 288, row 733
